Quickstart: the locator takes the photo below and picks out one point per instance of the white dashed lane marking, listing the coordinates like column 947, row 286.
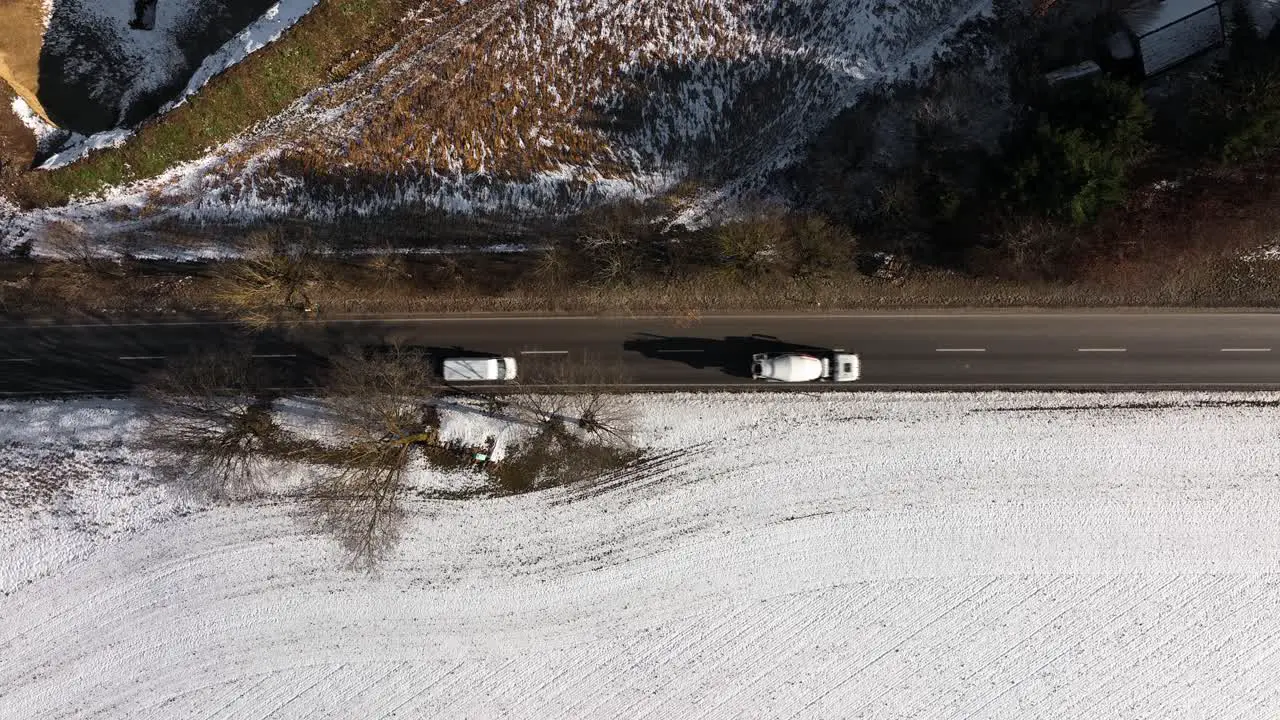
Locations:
column 961, row 350
column 1101, row 350
column 1246, row 349
column 544, row 352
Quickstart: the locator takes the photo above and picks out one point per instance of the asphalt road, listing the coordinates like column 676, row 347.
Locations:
column 921, row 350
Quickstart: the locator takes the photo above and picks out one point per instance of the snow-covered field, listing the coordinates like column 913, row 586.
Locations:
column 904, row 556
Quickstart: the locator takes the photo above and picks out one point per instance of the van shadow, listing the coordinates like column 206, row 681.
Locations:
column 434, row 355
column 731, row 354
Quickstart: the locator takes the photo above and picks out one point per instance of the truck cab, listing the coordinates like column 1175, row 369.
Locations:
column 845, row 367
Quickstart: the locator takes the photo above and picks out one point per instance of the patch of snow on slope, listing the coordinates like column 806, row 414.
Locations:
column 32, row 120
column 77, row 146
column 876, row 555
column 151, row 56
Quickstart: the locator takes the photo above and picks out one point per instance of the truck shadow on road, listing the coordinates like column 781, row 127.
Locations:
column 731, row 354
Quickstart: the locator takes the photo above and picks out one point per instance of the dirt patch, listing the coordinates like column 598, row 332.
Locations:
column 17, row 144
column 20, row 43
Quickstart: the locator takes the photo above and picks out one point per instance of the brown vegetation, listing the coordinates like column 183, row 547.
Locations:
column 275, row 280
column 511, row 89
column 17, row 144
column 20, row 44
column 1178, row 246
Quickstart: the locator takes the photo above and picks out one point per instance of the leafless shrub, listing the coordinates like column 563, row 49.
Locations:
column 755, row 247
column 585, row 426
column 554, row 265
column 77, row 248
column 605, row 414
column 1029, row 249
column 388, row 268
column 819, row 248
column 211, row 413
column 614, row 260
column 581, row 392
column 276, row 279
column 375, row 395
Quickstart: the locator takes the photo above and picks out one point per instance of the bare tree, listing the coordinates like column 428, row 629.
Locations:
column 754, row 247
column 212, row 413
column 585, row 426
column 77, row 248
column 380, row 403
column 276, row 279
column 605, row 413
column 555, row 455
column 581, row 392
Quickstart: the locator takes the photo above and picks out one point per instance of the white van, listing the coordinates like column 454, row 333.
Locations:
column 479, row 369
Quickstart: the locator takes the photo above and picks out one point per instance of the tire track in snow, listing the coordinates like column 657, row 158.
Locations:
column 1178, row 630
column 1035, row 642
column 1061, row 643
column 893, row 643
column 1268, row 669
column 1184, row 632
column 1169, row 698
column 416, row 694
column 1122, row 624
column 988, row 650
column 292, row 693
column 794, row 623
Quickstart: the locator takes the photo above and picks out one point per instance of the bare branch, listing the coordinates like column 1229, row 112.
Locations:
column 582, row 392
column 585, row 426
column 210, row 411
column 360, row 504
column 380, row 402
column 375, row 396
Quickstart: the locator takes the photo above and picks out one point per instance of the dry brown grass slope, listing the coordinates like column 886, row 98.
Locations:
column 493, row 91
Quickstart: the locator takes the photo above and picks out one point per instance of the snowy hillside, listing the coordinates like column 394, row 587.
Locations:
column 541, row 106
column 871, row 555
